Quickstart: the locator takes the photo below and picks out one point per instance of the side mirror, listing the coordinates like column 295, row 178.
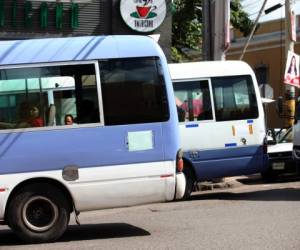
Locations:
column 279, row 105
column 271, row 137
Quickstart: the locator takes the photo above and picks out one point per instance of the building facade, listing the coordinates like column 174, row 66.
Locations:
column 22, row 19
column 266, row 55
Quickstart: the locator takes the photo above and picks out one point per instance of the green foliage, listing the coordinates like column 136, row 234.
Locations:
column 239, row 18
column 176, row 55
column 187, row 25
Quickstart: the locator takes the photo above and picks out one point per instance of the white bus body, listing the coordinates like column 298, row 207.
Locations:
column 222, row 127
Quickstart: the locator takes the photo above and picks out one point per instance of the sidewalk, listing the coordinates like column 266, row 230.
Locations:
column 223, row 183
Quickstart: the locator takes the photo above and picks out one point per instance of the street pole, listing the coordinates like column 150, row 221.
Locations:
column 216, row 28
column 289, row 46
column 221, row 28
column 207, row 30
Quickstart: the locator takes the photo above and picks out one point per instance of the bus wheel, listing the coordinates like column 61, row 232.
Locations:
column 38, row 213
column 190, row 182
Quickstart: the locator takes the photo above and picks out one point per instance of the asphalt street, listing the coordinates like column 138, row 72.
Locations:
column 250, row 214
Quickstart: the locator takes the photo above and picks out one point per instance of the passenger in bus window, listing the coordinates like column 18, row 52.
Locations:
column 69, row 119
column 29, row 116
column 180, row 111
column 181, row 114
column 34, row 117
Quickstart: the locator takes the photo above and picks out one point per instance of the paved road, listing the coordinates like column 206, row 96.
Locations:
column 252, row 215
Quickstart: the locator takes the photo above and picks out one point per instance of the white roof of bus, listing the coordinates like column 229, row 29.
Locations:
column 208, row 69
column 75, row 49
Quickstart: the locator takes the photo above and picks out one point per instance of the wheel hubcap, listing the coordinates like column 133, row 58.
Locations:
column 39, row 213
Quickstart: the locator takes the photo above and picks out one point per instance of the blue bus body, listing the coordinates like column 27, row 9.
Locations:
column 125, row 154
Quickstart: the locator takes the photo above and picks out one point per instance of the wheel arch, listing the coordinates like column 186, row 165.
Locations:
column 188, row 164
column 45, row 180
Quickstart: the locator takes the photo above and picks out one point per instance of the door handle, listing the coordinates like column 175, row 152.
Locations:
column 244, row 141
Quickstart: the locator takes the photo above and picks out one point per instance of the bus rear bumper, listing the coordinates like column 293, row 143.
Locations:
column 180, row 186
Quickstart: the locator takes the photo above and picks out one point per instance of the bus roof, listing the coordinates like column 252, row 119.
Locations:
column 208, row 69
column 76, row 49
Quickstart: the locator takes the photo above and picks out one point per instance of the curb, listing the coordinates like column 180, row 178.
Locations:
column 224, row 183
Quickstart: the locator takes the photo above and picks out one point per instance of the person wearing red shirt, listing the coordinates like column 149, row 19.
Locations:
column 35, row 120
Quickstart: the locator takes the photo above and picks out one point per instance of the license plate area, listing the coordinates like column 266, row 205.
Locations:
column 278, row 165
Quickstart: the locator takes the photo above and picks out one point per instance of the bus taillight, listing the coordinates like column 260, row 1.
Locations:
column 179, row 161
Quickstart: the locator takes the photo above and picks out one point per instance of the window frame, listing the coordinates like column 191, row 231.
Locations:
column 208, row 80
column 53, row 64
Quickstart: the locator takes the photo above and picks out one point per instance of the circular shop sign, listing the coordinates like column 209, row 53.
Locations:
column 143, row 15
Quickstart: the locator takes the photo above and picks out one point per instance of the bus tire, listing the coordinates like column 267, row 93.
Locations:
column 190, row 183
column 38, row 213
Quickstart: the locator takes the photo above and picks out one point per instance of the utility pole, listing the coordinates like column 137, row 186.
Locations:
column 221, row 28
column 207, row 30
column 216, row 22
column 289, row 46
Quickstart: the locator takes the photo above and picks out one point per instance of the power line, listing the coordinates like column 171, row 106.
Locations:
column 253, row 28
column 250, row 4
column 252, row 14
column 270, row 9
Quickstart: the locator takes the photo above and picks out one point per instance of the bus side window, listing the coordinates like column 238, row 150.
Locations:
column 133, row 91
column 50, row 93
column 193, row 100
column 234, row 98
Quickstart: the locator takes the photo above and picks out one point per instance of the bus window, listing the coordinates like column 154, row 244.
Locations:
column 234, row 98
column 71, row 89
column 193, row 100
column 133, row 91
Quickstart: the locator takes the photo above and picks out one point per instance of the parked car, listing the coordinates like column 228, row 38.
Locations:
column 280, row 154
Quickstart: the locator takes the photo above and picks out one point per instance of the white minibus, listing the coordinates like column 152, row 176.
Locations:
column 120, row 146
column 221, row 116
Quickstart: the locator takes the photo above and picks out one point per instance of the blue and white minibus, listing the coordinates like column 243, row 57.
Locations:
column 122, row 148
column 221, row 116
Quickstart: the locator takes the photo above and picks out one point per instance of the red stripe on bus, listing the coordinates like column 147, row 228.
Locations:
column 166, row 175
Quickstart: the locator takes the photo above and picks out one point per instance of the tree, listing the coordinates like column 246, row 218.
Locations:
column 239, row 18
column 187, row 26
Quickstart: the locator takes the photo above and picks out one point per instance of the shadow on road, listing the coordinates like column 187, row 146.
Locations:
column 256, row 179
column 285, row 194
column 84, row 232
column 102, row 231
